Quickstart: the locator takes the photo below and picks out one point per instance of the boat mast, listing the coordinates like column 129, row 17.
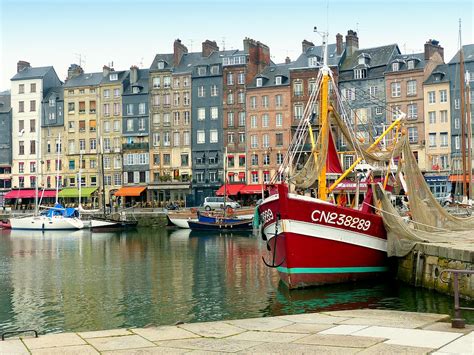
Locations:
column 463, row 115
column 80, row 179
column 102, row 174
column 57, row 169
column 469, row 132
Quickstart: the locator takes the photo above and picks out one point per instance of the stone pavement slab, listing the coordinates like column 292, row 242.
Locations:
column 464, row 345
column 385, row 314
column 317, row 318
column 164, row 333
column 54, row 340
column 307, row 328
column 207, row 344
column 67, row 350
column 212, row 329
column 268, row 337
column 13, row 346
column 282, row 348
column 388, row 322
column 410, row 337
column 446, row 327
column 344, row 329
column 148, row 351
column 120, row 342
column 340, row 340
column 384, row 348
column 269, row 323
column 104, row 333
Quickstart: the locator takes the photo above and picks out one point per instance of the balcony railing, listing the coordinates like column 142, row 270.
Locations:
column 143, row 145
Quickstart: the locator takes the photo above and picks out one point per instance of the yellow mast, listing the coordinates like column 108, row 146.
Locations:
column 322, row 186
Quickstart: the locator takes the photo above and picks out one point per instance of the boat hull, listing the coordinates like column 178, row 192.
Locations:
column 316, row 243
column 46, row 223
column 245, row 225
column 110, row 224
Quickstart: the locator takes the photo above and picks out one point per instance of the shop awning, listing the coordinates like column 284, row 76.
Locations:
column 30, row 193
column 458, row 178
column 130, row 191
column 252, row 189
column 73, row 192
column 231, row 189
column 241, row 175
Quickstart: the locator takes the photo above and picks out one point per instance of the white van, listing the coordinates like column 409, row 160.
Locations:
column 211, row 203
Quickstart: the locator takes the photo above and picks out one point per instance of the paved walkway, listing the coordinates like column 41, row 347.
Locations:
column 342, row 332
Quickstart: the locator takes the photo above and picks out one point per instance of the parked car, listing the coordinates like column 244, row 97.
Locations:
column 211, row 203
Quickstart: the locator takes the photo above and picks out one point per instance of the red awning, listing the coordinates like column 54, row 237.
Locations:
column 231, row 189
column 230, row 173
column 254, row 172
column 230, row 156
column 30, row 193
column 241, row 174
column 252, row 189
column 458, row 178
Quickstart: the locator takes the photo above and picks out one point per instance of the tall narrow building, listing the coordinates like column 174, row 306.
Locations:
column 5, row 145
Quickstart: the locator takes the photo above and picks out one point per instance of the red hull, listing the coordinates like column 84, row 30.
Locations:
column 320, row 243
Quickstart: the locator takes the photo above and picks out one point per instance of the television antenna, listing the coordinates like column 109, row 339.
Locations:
column 80, row 59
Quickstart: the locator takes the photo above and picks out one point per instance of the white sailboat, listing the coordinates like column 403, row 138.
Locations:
column 52, row 218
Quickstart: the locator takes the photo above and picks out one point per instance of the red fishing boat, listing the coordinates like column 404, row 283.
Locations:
column 312, row 240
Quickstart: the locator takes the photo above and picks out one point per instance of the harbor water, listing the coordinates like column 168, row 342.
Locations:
column 83, row 281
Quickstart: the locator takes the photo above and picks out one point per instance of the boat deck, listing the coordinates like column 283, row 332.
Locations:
column 364, row 331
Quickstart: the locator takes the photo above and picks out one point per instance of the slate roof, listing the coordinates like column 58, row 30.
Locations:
column 333, row 58
column 167, row 58
column 379, row 56
column 121, row 76
column 272, row 71
column 5, row 101
column 32, row 73
column 439, row 75
column 142, row 82
column 403, row 60
column 59, row 91
column 188, row 60
column 86, row 79
column 468, row 54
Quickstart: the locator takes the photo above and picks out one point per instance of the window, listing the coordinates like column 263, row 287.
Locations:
column 201, row 91
column 214, row 113
column 214, row 138
column 298, row 111
column 265, row 120
column 266, row 140
column 396, row 89
column 21, row 88
column 230, row 119
column 253, row 101
column 215, row 69
column 278, row 80
column 116, row 125
column 201, row 71
column 187, row 118
column 432, row 117
column 176, row 140
column 395, row 66
column 141, row 108
column 141, row 124
column 266, row 159
column 297, row 88
column 412, row 111
column 32, row 87
column 93, row 143
column 253, row 121
column 378, row 110
column 21, row 167
column 32, row 126
column 457, row 143
column 241, row 119
column 130, row 124
column 254, row 159
column 411, row 64
column 431, row 97
column 278, row 119
column 373, row 91
column 230, row 79
column 411, row 87
column 201, row 113
column 432, row 139
column 166, row 139
column 107, row 144
column 413, row 134
column 201, row 137
column 157, row 82
column 279, row 139
column 230, row 98
column 254, row 141
column 116, row 109
column 443, row 96
column 457, row 104
column 186, row 138
column 241, row 137
column 166, row 119
column 176, row 118
column 259, row 82
column 279, row 158
column 32, row 105
column 106, row 93
column 166, row 99
column 265, row 101
column 106, row 126
column 444, row 139
column 185, row 159
column 241, row 97
column 360, row 73
column 230, row 138
column 443, row 116
column 82, row 144
column 92, row 106
column 176, row 99
column 278, row 101
column 255, row 177
column 456, row 123
column 156, row 139
column 241, row 78
column 82, row 126
column 32, row 147
column 106, row 110
column 129, row 109
column 167, row 82
column 214, row 90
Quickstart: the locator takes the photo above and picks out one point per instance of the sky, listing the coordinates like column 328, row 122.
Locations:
column 94, row 33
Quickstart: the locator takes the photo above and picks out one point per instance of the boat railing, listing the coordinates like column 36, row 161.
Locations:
column 457, row 321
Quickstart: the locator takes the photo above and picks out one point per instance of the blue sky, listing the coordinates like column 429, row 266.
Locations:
column 55, row 32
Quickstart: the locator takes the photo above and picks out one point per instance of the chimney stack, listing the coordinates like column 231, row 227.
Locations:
column 287, row 60
column 208, row 47
column 22, row 65
column 105, row 70
column 73, row 71
column 306, row 44
column 431, row 47
column 338, row 44
column 258, row 57
column 133, row 74
column 352, row 42
column 178, row 50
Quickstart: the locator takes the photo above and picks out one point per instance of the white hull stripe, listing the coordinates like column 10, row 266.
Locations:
column 328, row 233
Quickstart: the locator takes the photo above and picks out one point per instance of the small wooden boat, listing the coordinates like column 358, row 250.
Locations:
column 5, row 224
column 221, row 225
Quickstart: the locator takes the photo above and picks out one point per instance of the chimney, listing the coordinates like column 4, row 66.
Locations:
column 258, row 58
column 338, row 44
column 178, row 50
column 133, row 74
column 352, row 42
column 73, row 71
column 208, row 47
column 306, row 44
column 21, row 65
column 105, row 70
column 287, row 60
column 431, row 47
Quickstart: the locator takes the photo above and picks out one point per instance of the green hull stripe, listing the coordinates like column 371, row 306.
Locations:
column 331, row 270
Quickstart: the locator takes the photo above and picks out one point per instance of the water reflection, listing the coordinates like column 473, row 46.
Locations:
column 62, row 281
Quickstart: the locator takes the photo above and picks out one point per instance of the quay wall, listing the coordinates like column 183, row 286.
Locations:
column 423, row 266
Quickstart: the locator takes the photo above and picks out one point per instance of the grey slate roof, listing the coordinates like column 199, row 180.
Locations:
column 403, row 60
column 468, row 54
column 32, row 73
column 272, row 71
column 57, row 91
column 188, row 60
column 5, row 101
column 439, row 75
column 86, row 79
column 379, row 56
column 167, row 58
column 333, row 58
column 121, row 76
column 142, row 82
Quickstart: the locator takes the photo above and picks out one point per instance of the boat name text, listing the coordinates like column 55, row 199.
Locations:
column 266, row 216
column 340, row 219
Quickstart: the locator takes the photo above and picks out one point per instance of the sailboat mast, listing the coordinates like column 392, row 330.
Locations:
column 469, row 134
column 102, row 174
column 57, row 168
column 463, row 116
column 80, row 178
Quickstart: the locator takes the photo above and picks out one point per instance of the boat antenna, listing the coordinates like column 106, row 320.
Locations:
column 324, row 36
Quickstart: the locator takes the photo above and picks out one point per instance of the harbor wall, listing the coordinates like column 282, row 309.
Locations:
column 423, row 266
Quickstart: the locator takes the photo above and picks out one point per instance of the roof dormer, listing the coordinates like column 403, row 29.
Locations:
column 364, row 59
